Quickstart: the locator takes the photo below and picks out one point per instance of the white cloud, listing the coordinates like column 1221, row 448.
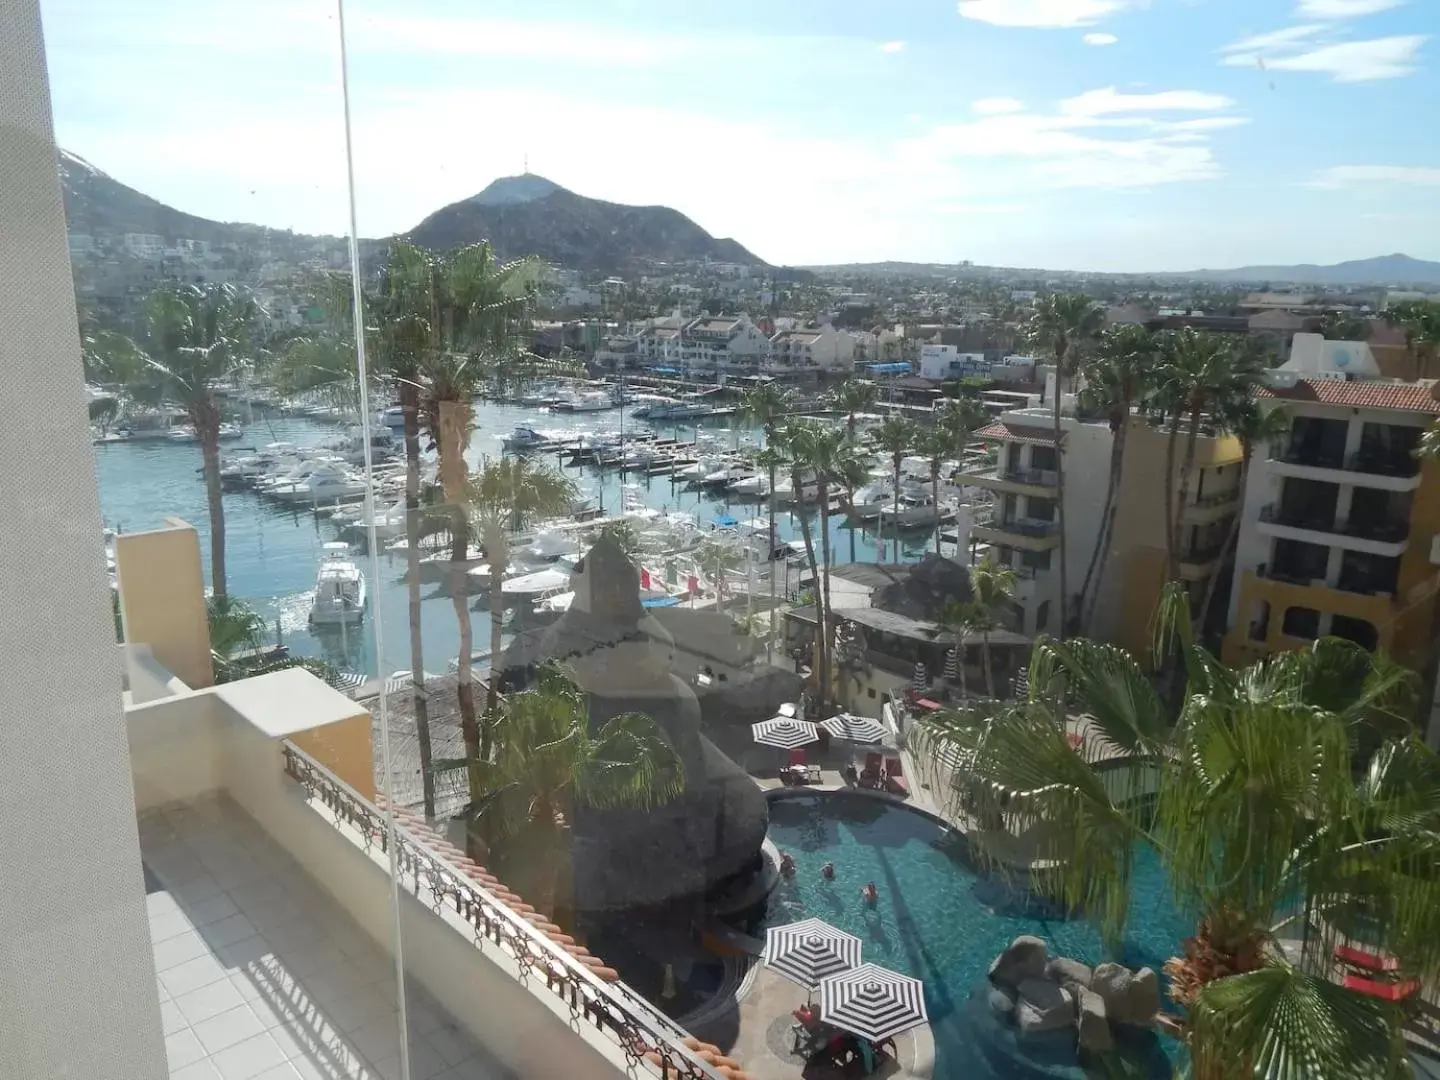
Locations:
column 1312, row 47
column 1040, row 13
column 1340, row 176
column 997, row 106
column 1100, row 39
column 1343, row 9
column 1109, row 101
column 893, row 47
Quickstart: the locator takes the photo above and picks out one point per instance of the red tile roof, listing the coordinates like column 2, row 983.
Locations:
column 1016, row 433
column 1363, row 394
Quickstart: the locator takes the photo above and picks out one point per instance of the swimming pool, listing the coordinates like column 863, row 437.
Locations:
column 940, row 920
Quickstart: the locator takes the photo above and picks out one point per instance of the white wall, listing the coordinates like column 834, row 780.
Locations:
column 78, row 997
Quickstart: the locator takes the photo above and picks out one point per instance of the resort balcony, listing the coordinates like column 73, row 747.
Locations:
column 1198, row 564
column 1042, row 483
column 1017, row 532
column 1386, row 471
column 1383, row 536
column 268, row 864
column 1211, row 508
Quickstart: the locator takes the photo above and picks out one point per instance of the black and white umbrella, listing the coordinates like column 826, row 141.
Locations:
column 807, row 952
column 860, row 729
column 786, row 732
column 922, row 677
column 873, row 1002
column 952, row 663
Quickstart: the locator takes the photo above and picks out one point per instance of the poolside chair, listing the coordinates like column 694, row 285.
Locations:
column 895, row 777
column 870, row 775
column 1365, row 960
column 801, row 770
column 1384, row 989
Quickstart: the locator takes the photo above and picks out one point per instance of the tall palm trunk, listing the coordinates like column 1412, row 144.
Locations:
column 770, row 565
column 850, row 519
column 985, row 656
column 1172, row 565
column 206, row 418
column 1100, row 557
column 895, row 511
column 454, row 429
column 823, row 491
column 1186, row 469
column 1060, row 494
column 1230, row 539
column 935, row 498
column 497, row 554
column 820, row 614
column 410, row 409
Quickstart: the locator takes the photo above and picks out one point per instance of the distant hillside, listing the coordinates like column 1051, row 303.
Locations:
column 1383, row 270
column 529, row 215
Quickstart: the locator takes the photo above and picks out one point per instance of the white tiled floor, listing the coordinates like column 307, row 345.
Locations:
column 263, row 977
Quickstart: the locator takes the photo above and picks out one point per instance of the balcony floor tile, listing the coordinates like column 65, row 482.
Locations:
column 263, row 977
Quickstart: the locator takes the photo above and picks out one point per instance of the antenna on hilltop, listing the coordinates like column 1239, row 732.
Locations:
column 526, row 171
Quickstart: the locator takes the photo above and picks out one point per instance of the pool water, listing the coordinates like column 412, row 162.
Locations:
column 942, row 921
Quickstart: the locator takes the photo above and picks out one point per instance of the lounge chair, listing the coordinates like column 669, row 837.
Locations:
column 870, row 775
column 1384, row 989
column 801, row 770
column 895, row 777
column 1365, row 960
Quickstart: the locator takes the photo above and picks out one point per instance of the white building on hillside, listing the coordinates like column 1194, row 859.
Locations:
column 816, row 349
column 144, row 245
column 730, row 344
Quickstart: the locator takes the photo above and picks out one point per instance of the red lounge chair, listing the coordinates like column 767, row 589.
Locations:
column 870, row 775
column 1365, row 960
column 800, row 769
column 895, row 777
column 1385, row 990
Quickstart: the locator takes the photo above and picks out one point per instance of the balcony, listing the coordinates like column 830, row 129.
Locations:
column 1043, row 483
column 1017, row 532
column 1211, row 508
column 271, row 911
column 1387, row 471
column 1386, row 536
column 1358, row 583
column 1199, row 563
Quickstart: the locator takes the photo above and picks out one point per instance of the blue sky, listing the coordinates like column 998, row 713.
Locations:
column 1070, row 134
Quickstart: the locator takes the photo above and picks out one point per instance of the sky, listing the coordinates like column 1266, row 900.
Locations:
column 1112, row 135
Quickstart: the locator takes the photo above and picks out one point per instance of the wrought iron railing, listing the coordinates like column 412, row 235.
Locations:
column 638, row 1028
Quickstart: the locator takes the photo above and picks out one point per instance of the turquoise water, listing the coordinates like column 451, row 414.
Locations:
column 272, row 552
column 940, row 921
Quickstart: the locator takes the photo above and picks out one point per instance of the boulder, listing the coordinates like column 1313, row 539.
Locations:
column 1002, row 1001
column 1093, row 1027
column 1069, row 973
column 1023, row 959
column 1112, row 983
column 1044, row 1006
column 1143, row 1001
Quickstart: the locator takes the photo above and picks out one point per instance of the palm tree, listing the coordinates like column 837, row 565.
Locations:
column 823, row 452
column 1200, row 374
column 767, row 406
column 992, row 586
column 1064, row 323
column 853, row 474
column 1344, row 326
column 506, row 496
column 548, row 762
column 195, row 337
column 1420, row 320
column 936, row 446
column 1118, row 376
column 960, row 620
column 897, row 437
column 791, row 440
column 1254, row 427
column 1292, row 797
column 851, row 397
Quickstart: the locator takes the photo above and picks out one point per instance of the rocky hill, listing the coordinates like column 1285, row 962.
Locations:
column 1382, row 270
column 529, row 215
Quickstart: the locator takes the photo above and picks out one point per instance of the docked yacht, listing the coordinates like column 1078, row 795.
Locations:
column 586, row 401
column 916, row 510
column 872, row 498
column 755, row 486
column 339, row 588
column 683, row 409
column 524, row 437
column 328, row 482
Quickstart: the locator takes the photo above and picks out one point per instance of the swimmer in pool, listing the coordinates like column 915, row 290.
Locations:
column 870, row 894
column 828, row 871
column 787, row 864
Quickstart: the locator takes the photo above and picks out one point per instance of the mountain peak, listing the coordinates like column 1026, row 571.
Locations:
column 508, row 190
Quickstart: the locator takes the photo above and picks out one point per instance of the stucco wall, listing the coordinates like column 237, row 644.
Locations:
column 162, row 598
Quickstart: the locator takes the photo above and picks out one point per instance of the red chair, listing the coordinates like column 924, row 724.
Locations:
column 800, row 769
column 870, row 775
column 1385, row 990
column 1365, row 960
column 895, row 777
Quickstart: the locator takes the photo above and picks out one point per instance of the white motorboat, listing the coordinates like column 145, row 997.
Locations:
column 524, row 437
column 872, row 498
column 699, row 469
column 756, row 485
column 389, row 521
column 327, row 482
column 727, row 475
column 547, row 547
column 393, row 417
column 916, row 510
column 785, row 490
column 586, row 401
column 339, row 588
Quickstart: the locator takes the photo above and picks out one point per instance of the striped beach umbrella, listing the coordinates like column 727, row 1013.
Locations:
column 873, row 1002
column 806, row 952
column 785, row 732
column 952, row 663
column 860, row 729
column 922, row 677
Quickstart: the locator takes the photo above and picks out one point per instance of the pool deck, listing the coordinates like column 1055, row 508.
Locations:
column 764, row 1039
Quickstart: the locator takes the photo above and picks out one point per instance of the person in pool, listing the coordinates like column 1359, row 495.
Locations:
column 828, row 871
column 870, row 894
column 787, row 864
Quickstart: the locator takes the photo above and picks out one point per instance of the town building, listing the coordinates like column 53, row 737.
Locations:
column 1339, row 520
column 729, row 344
column 811, row 350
